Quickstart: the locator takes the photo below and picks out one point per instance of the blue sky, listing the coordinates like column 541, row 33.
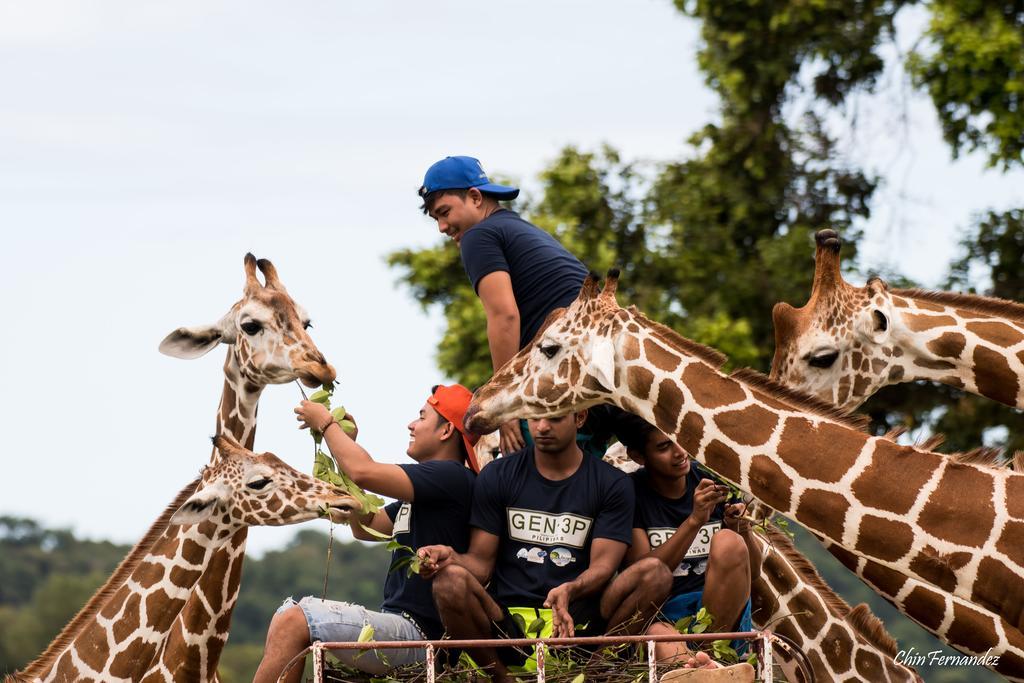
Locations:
column 145, row 147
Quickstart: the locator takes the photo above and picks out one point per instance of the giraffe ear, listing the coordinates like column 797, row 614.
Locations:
column 602, row 362
column 201, row 506
column 873, row 325
column 193, row 342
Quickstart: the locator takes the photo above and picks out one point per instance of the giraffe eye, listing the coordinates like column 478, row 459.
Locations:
column 251, row 327
column 259, row 484
column 823, row 360
column 550, row 350
column 308, row 324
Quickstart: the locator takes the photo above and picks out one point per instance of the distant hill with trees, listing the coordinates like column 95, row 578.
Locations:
column 46, row 575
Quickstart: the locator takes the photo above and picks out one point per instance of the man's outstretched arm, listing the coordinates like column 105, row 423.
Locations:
column 383, row 478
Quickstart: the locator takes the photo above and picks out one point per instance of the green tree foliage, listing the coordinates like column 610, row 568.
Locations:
column 972, row 65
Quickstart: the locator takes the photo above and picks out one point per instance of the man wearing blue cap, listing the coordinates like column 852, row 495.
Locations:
column 520, row 272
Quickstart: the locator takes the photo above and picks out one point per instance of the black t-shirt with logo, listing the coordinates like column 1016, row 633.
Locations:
column 439, row 514
column 544, row 275
column 660, row 517
column 546, row 527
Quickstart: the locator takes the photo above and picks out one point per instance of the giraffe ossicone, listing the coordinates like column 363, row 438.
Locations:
column 848, row 342
column 126, row 640
column 900, row 508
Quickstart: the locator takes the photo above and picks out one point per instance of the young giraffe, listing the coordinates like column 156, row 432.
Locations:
column 239, row 490
column 841, row 643
column 961, row 567
column 265, row 332
column 848, row 342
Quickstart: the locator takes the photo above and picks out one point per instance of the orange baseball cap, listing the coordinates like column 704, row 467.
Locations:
column 452, row 402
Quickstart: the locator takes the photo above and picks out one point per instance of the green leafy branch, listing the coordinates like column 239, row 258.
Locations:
column 324, row 467
column 410, row 561
column 722, row 650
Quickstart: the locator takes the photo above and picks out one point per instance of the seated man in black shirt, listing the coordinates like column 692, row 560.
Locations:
column 433, row 505
column 520, row 272
column 549, row 529
column 682, row 520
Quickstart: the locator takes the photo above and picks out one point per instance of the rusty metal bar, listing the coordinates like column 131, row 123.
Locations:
column 524, row 642
column 763, row 637
column 318, row 662
column 430, row 663
column 765, row 660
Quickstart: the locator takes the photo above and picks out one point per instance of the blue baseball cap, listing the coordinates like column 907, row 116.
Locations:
column 462, row 173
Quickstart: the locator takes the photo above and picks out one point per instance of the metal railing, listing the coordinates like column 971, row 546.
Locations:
column 766, row 641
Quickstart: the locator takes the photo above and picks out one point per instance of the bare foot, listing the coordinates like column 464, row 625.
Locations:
column 701, row 660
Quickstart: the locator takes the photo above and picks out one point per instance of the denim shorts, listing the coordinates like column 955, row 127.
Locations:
column 332, row 621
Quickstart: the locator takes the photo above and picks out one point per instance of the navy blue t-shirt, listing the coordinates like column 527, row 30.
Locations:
column 544, row 275
column 660, row 517
column 439, row 514
column 546, row 527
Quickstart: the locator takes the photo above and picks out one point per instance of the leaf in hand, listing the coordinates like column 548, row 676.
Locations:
column 321, row 397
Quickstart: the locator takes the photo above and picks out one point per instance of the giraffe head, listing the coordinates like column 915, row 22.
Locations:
column 265, row 331
column 569, row 365
column 246, row 489
column 838, row 346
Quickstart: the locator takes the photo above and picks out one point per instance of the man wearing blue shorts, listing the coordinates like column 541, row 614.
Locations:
column 520, row 272
column 681, row 519
column 433, row 504
column 549, row 528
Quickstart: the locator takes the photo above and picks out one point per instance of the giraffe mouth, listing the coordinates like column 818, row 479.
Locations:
column 314, row 375
column 477, row 422
column 342, row 510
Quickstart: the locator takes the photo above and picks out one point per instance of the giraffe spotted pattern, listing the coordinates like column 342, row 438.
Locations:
column 808, row 465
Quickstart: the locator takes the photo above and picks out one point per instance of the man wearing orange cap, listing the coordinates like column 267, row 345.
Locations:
column 432, row 507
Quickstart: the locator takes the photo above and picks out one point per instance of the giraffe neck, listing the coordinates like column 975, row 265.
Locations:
column 236, row 413
column 124, row 637
column 905, row 509
column 791, row 598
column 198, row 636
column 970, row 628
column 972, row 350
